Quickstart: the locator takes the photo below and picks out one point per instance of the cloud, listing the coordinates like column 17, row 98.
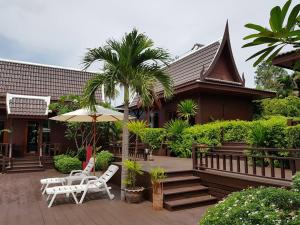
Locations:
column 59, row 31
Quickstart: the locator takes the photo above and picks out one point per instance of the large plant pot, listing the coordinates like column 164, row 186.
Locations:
column 158, row 197
column 134, row 195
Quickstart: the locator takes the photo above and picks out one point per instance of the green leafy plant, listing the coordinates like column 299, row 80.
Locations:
column 187, row 109
column 268, row 206
column 174, row 130
column 81, row 154
column 134, row 169
column 289, row 107
column 296, row 182
column 66, row 163
column 153, row 137
column 283, row 31
column 292, row 135
column 103, row 160
column 137, row 128
column 157, row 174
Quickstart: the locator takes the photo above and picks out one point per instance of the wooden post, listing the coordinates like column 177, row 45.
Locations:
column 40, row 142
column 194, row 157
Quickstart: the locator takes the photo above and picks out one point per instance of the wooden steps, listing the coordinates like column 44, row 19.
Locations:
column 26, row 164
column 184, row 190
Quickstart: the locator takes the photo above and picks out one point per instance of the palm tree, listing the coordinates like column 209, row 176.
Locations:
column 284, row 31
column 187, row 109
column 134, row 64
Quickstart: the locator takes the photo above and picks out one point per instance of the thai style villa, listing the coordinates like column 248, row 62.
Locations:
column 208, row 75
column 26, row 90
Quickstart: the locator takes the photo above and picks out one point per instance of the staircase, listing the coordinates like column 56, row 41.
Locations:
column 184, row 190
column 25, row 164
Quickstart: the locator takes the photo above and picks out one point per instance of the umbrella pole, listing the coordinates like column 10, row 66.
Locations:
column 94, row 145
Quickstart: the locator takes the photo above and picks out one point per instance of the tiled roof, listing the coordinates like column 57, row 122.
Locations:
column 189, row 67
column 41, row 80
column 28, row 107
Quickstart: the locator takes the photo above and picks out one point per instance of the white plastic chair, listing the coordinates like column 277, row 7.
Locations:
column 89, row 183
column 75, row 175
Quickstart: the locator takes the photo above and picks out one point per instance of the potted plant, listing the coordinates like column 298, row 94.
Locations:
column 133, row 193
column 157, row 176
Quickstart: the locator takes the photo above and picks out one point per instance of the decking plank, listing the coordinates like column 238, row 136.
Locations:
column 21, row 203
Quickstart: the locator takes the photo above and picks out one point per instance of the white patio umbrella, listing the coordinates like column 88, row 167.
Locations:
column 100, row 114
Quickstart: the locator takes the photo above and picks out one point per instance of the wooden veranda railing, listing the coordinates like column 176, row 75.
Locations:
column 139, row 154
column 272, row 163
column 47, row 151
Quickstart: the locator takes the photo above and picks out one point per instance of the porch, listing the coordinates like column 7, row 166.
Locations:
column 21, row 203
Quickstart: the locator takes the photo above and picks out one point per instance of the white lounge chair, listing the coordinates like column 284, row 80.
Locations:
column 75, row 175
column 90, row 183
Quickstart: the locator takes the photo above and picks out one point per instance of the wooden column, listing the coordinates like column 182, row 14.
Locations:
column 40, row 138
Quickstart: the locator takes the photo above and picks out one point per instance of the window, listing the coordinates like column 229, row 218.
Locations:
column 154, row 119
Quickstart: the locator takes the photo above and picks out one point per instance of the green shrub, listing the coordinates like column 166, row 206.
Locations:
column 268, row 206
column 209, row 134
column 296, row 182
column 103, row 160
column 65, row 163
column 293, row 136
column 133, row 170
column 153, row 137
column 174, row 130
column 269, row 133
column 289, row 106
column 235, row 130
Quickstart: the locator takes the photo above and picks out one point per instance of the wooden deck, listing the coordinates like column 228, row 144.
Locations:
column 21, row 203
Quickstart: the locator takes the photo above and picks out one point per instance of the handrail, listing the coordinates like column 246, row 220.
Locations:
column 116, row 149
column 260, row 162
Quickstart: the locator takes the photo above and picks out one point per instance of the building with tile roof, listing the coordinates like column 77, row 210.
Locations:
column 26, row 90
column 208, row 75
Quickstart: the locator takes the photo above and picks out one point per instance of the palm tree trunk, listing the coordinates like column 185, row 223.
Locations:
column 125, row 137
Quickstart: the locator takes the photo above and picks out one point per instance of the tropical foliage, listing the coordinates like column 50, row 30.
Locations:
column 284, row 31
column 133, row 63
column 264, row 205
column 66, row 163
column 134, row 169
column 267, row 75
column 187, row 109
column 103, row 160
column 174, row 130
column 296, row 182
column 289, row 106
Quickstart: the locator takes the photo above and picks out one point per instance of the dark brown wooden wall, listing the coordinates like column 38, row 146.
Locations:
column 211, row 107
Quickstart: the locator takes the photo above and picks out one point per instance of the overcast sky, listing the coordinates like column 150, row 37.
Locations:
column 58, row 32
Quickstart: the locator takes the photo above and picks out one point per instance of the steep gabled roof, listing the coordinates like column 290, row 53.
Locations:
column 190, row 66
column 41, row 80
column 213, row 62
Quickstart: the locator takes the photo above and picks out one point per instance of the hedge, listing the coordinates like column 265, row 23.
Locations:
column 289, row 106
column 103, row 160
column 268, row 206
column 153, row 137
column 269, row 132
column 292, row 135
column 66, row 163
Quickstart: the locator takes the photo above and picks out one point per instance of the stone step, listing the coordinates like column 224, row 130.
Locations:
column 25, row 170
column 190, row 202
